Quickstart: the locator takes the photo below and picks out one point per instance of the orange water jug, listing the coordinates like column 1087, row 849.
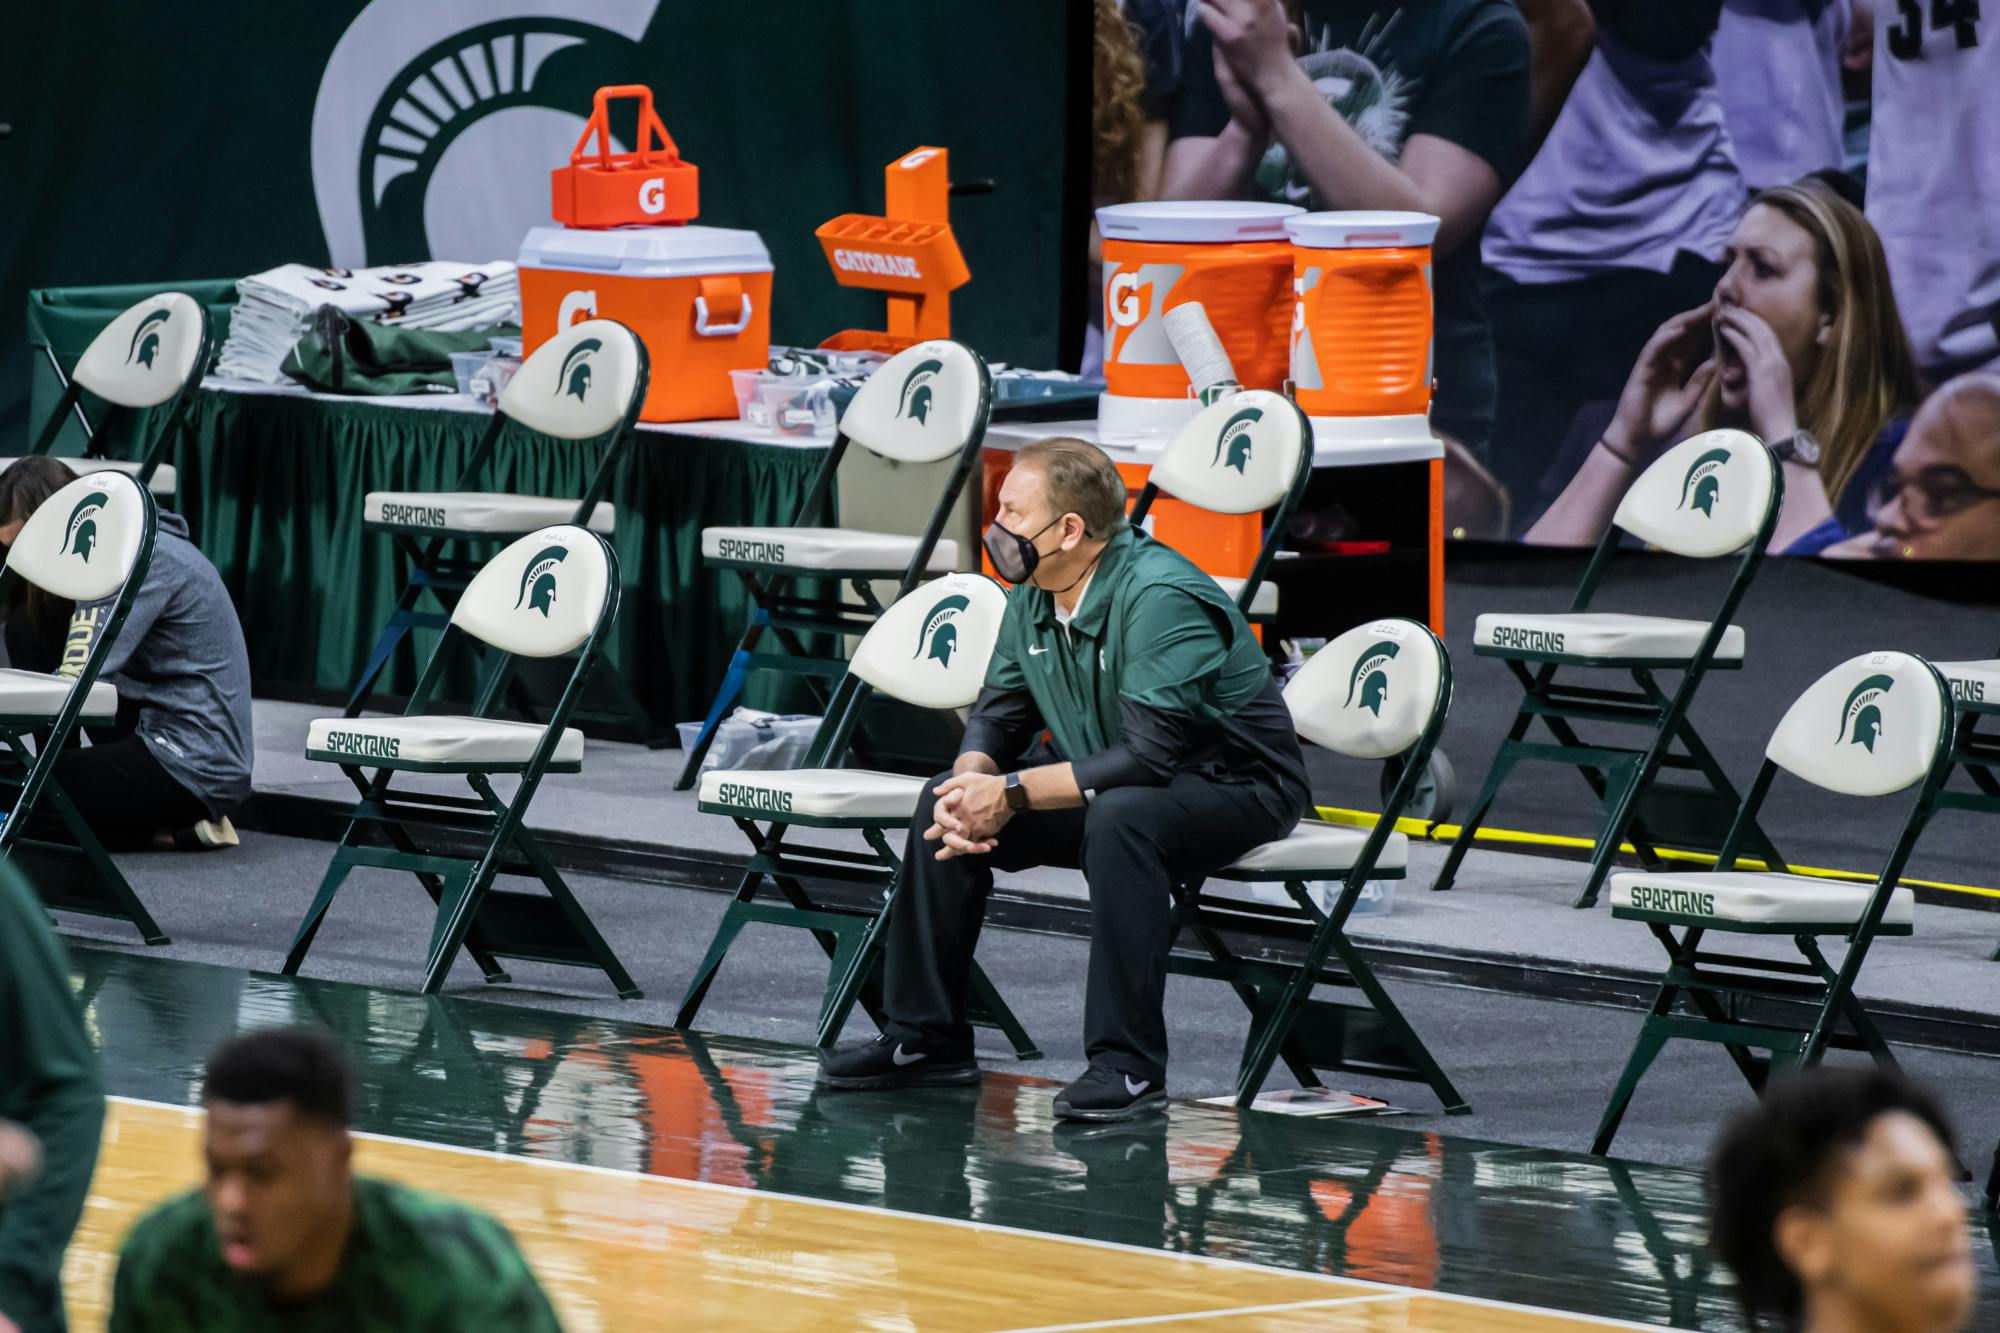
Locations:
column 1234, row 258
column 1361, row 322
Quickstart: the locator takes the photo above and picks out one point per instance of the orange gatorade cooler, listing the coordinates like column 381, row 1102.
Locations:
column 1361, row 323
column 1233, row 257
column 698, row 297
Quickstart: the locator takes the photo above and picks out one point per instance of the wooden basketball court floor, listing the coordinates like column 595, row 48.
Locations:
column 657, row 1180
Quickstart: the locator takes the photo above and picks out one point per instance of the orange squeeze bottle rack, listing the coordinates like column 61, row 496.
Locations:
column 909, row 253
column 649, row 187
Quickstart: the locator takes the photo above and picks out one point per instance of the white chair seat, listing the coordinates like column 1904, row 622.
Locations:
column 475, row 511
column 1972, row 682
column 1602, row 634
column 32, row 694
column 1725, row 898
column 819, row 793
column 1316, row 846
column 435, row 740
column 822, row 548
column 1263, row 606
column 165, row 480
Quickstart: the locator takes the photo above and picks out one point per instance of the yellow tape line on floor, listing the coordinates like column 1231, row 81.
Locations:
column 1443, row 833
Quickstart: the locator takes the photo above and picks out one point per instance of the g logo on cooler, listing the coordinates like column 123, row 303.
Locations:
column 1123, row 298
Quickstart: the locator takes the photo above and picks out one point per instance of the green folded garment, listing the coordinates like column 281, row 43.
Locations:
column 341, row 354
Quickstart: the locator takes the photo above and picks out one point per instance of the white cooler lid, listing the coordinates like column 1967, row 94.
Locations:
column 1362, row 231
column 646, row 252
column 1199, row 220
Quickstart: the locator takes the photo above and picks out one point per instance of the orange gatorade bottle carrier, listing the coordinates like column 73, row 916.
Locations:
column 1233, row 257
column 1361, row 325
column 650, row 187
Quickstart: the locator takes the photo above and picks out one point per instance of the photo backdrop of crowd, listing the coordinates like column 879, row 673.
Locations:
column 1781, row 216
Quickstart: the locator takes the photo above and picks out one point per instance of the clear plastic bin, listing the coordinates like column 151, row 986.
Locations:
column 786, row 404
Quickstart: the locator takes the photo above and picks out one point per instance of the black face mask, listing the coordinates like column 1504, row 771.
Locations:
column 1013, row 555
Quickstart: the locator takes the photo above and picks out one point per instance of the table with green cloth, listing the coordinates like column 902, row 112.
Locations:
column 271, row 483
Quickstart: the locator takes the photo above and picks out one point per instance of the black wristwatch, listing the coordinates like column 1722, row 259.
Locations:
column 1798, row 447
column 1017, row 795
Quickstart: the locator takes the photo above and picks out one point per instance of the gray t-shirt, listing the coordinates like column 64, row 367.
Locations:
column 180, row 656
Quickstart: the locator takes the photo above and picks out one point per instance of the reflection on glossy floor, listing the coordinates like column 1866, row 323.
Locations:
column 719, row 1163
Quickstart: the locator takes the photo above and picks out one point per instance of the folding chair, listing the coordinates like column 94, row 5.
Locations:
column 929, row 649
column 548, row 595
column 152, row 354
column 89, row 540
column 1708, row 496
column 1975, row 695
column 1378, row 691
column 1874, row 725
column 925, row 404
column 585, row 384
column 1243, row 454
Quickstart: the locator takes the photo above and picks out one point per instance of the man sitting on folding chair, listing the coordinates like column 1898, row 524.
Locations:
column 1178, row 757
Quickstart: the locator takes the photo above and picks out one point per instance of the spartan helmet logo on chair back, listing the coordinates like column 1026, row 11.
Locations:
column 143, row 357
column 1236, row 456
column 919, row 405
column 81, row 543
column 1371, row 692
column 931, row 647
column 1707, row 496
column 580, row 383
column 1871, row 726
column 541, row 596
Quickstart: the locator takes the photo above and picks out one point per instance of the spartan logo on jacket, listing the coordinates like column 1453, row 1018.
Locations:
column 939, row 638
column 1232, row 446
column 1703, row 483
column 145, row 344
column 916, row 397
column 80, row 533
column 1371, row 676
column 1861, row 716
column 574, row 377
column 538, row 580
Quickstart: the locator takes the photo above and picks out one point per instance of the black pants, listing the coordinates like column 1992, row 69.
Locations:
column 1132, row 844
column 1561, row 345
column 116, row 784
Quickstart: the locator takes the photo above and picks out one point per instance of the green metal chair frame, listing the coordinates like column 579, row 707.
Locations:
column 425, row 833
column 786, row 610
column 1737, row 1000
column 439, row 564
column 1217, row 419
column 1633, row 803
column 1975, row 753
column 97, row 887
column 850, row 935
column 172, row 424
column 1365, row 1036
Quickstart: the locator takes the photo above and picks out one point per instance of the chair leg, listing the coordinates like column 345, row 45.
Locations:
column 458, row 908
column 1611, row 834
column 726, row 931
column 1643, row 1053
column 1503, row 763
column 400, row 622
column 985, row 1004
column 1390, row 1013
column 579, row 920
column 725, row 697
column 863, row 954
column 109, row 877
column 329, row 885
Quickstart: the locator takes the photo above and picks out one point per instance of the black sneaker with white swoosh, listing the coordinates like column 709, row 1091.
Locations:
column 1104, row 1093
column 886, row 1062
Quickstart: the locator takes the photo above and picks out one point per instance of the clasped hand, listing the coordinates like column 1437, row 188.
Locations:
column 971, row 810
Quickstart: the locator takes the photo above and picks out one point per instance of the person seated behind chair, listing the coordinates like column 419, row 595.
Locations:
column 177, row 759
column 284, row 1235
column 1934, row 502
column 1178, row 757
column 1835, row 1202
column 1800, row 344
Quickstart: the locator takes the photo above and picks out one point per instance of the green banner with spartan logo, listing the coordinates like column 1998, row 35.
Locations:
column 161, row 143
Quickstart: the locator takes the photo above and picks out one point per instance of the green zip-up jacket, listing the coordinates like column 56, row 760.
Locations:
column 1156, row 674
column 49, row 1082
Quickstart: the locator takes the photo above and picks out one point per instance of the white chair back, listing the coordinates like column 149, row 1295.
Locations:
column 542, row 596
column 81, row 543
column 931, row 648
column 580, row 383
column 145, row 356
column 919, row 406
column 1371, row 692
column 1870, row 726
column 1707, row 496
column 1236, row 456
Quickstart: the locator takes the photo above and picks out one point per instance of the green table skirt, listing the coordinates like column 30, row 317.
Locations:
column 272, row 487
